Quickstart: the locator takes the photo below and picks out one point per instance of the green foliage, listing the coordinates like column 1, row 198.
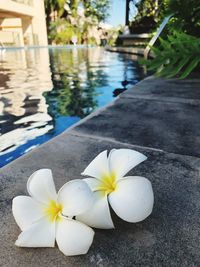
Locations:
column 177, row 56
column 54, row 5
column 150, row 8
column 186, row 16
column 62, row 31
column 63, row 24
column 97, row 9
column 51, row 6
column 149, row 13
column 178, row 52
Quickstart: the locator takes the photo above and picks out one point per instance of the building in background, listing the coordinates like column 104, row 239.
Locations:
column 22, row 23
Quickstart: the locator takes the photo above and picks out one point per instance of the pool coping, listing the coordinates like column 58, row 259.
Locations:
column 159, row 240
column 137, row 51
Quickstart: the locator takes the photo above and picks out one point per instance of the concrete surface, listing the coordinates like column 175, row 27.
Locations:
column 137, row 51
column 162, row 124
column 156, row 113
column 128, row 50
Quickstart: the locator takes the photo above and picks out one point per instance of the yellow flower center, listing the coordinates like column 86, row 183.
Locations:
column 53, row 211
column 108, row 183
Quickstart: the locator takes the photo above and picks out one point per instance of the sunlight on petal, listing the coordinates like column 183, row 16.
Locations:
column 39, row 234
column 133, row 200
column 75, row 197
column 26, row 211
column 41, row 186
column 98, row 215
column 73, row 238
column 121, row 161
column 98, row 167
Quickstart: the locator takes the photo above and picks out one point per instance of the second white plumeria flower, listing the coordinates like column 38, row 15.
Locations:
column 41, row 215
column 130, row 197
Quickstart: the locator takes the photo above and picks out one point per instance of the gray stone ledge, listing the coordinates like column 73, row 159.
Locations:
column 166, row 89
column 172, row 127
column 169, row 237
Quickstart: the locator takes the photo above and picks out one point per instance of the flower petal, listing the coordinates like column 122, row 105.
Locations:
column 93, row 183
column 41, row 186
column 121, row 161
column 98, row 215
column 98, row 167
column 133, row 199
column 26, row 211
column 39, row 234
column 73, row 237
column 75, row 197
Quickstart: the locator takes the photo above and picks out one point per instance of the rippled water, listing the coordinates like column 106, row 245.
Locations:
column 44, row 91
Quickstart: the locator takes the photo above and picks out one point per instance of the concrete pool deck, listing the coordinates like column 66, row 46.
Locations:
column 160, row 118
column 127, row 50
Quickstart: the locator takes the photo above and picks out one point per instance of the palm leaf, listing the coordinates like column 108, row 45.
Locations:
column 193, row 64
column 178, row 52
column 177, row 69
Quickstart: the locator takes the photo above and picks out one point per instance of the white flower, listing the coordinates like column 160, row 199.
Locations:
column 130, row 197
column 41, row 216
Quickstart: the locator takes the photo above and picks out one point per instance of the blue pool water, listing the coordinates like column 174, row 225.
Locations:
column 45, row 91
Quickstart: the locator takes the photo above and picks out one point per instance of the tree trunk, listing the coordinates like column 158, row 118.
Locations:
column 48, row 21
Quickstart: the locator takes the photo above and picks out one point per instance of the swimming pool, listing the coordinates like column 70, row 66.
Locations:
column 44, row 91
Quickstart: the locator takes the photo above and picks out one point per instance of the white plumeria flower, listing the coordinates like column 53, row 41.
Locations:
column 41, row 216
column 130, row 197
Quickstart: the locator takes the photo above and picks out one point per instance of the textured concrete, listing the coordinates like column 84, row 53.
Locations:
column 168, row 90
column 143, row 116
column 171, row 235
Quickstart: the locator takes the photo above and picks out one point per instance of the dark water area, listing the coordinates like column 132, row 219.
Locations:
column 45, row 91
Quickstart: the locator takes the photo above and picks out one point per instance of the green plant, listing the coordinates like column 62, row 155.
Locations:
column 149, row 14
column 97, row 9
column 50, row 7
column 62, row 31
column 186, row 16
column 177, row 56
column 65, row 20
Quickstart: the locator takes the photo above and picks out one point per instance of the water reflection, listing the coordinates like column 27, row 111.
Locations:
column 43, row 92
column 74, row 82
column 25, row 75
